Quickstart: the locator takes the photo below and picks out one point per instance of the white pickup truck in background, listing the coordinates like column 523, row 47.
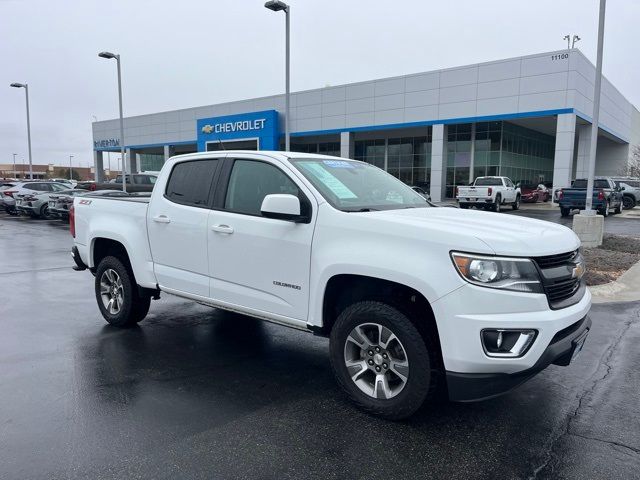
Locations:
column 490, row 193
column 413, row 297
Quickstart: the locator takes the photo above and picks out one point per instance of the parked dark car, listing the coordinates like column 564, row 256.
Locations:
column 607, row 197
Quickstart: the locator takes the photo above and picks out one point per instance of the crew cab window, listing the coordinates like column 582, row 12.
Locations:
column 191, row 182
column 251, row 181
column 59, row 187
column 508, row 182
column 39, row 187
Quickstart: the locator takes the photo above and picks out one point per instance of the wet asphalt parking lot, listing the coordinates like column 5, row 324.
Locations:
column 198, row 393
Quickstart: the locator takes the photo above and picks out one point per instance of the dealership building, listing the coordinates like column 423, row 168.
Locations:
column 527, row 118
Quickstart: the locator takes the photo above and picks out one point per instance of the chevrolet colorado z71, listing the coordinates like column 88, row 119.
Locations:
column 412, row 296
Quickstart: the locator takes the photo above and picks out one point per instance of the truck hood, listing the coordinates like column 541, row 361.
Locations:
column 504, row 234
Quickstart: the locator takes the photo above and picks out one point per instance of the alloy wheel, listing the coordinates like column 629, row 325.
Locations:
column 111, row 291
column 376, row 360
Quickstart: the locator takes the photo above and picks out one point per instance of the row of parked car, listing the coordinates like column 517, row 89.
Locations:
column 48, row 199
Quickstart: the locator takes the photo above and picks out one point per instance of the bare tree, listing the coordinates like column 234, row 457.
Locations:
column 633, row 170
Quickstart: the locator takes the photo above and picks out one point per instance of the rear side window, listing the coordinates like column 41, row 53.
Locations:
column 488, row 182
column 191, row 183
column 251, row 181
column 601, row 184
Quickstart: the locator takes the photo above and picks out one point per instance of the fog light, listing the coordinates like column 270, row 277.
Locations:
column 507, row 343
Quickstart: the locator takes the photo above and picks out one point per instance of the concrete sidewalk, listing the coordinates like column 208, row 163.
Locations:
column 625, row 289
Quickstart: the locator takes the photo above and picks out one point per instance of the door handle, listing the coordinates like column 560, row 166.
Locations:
column 161, row 219
column 222, row 229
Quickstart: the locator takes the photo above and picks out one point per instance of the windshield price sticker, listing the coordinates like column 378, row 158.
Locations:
column 339, row 189
column 337, row 164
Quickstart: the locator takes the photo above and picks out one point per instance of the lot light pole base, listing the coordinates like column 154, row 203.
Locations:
column 589, row 228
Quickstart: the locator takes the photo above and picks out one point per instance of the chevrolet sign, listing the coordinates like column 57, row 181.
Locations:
column 240, row 126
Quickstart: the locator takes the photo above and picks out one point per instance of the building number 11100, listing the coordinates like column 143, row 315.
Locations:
column 560, row 56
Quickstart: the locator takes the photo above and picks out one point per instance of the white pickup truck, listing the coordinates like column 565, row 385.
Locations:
column 413, row 297
column 490, row 193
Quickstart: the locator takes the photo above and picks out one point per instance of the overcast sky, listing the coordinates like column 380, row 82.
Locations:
column 178, row 54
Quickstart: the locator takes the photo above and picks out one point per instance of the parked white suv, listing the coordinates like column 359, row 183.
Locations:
column 490, row 193
column 413, row 297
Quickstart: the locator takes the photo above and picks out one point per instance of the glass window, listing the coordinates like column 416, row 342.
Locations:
column 355, row 186
column 57, row 187
column 191, row 182
column 251, row 181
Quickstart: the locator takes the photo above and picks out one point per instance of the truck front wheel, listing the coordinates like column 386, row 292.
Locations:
column 380, row 359
column 117, row 294
column 516, row 205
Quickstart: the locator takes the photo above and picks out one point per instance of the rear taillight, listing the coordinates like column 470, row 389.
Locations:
column 72, row 221
column 560, row 194
column 9, row 193
column 489, row 191
column 92, row 187
column 601, row 195
column 456, row 191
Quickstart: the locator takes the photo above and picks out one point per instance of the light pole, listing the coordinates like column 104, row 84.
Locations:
column 110, row 55
column 277, row 6
column 596, row 112
column 568, row 39
column 26, row 89
column 70, row 168
column 576, row 38
column 14, row 165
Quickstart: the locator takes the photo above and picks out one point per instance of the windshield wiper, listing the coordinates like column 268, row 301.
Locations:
column 364, row 209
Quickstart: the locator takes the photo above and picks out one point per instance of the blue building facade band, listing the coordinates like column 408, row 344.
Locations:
column 262, row 126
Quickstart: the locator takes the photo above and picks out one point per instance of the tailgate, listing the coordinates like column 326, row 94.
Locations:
column 473, row 192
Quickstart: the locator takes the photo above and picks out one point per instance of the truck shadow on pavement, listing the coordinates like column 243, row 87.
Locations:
column 188, row 370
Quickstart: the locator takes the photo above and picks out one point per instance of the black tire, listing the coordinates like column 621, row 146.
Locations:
column 604, row 210
column 134, row 307
column 516, row 205
column 565, row 212
column 497, row 205
column 628, row 202
column 44, row 212
column 618, row 208
column 421, row 380
column 464, row 205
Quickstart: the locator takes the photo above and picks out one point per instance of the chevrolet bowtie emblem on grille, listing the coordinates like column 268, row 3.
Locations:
column 578, row 270
column 207, row 129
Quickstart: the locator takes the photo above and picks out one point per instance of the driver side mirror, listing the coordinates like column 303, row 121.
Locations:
column 518, row 185
column 620, row 189
column 282, row 207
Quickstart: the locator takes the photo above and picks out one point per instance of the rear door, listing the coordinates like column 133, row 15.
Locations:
column 258, row 263
column 510, row 190
column 177, row 226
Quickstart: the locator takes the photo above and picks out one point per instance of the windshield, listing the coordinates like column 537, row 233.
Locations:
column 488, row 182
column 353, row 186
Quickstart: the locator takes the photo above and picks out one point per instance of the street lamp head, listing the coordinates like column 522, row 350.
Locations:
column 277, row 5
column 18, row 85
column 107, row 55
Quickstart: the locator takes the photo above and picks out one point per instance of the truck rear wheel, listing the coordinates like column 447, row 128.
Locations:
column 117, row 294
column 464, row 205
column 604, row 210
column 564, row 212
column 497, row 204
column 380, row 360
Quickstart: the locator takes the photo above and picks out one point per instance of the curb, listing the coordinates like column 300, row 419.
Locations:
column 625, row 289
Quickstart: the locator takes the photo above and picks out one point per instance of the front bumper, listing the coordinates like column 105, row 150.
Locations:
column 467, row 387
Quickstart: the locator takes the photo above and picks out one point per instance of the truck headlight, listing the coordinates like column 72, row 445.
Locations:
column 515, row 274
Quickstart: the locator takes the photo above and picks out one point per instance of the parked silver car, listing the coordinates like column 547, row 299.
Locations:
column 37, row 205
column 631, row 192
column 60, row 203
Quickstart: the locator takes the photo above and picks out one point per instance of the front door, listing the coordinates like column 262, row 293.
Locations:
column 257, row 263
column 177, row 226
